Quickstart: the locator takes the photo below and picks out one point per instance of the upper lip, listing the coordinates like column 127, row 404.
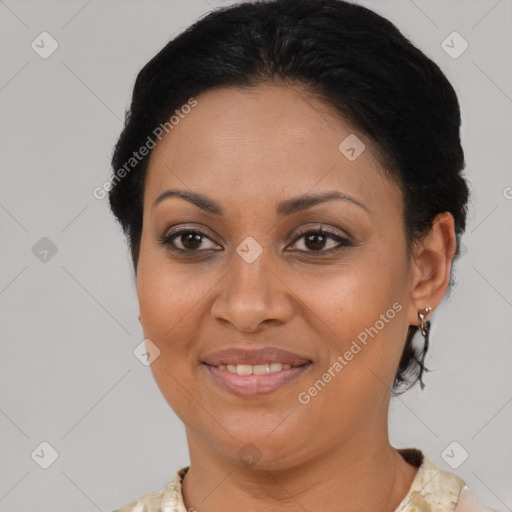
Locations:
column 264, row 355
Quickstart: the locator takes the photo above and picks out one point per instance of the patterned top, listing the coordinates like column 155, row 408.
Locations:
column 432, row 490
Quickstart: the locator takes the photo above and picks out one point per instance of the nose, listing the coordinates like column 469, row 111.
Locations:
column 253, row 294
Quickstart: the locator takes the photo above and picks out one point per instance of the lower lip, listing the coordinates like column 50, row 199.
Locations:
column 255, row 385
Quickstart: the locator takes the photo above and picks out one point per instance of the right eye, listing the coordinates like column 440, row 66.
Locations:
column 190, row 240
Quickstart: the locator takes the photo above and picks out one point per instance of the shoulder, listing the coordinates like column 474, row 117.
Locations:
column 167, row 498
column 468, row 502
column 150, row 502
column 450, row 490
column 434, row 489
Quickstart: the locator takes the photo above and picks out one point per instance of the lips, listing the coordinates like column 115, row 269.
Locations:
column 267, row 355
column 254, row 373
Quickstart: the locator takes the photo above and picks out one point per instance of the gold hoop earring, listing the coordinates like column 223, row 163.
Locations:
column 425, row 332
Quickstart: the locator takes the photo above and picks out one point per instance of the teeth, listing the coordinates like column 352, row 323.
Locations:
column 257, row 369
column 260, row 369
column 243, row 369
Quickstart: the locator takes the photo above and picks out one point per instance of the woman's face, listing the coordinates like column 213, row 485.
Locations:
column 253, row 271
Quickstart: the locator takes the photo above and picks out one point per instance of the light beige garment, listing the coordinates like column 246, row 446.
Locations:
column 432, row 490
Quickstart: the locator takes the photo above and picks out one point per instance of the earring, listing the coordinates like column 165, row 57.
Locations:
column 425, row 331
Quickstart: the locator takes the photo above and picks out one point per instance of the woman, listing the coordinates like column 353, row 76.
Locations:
column 290, row 182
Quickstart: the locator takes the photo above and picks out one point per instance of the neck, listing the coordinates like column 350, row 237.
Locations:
column 357, row 475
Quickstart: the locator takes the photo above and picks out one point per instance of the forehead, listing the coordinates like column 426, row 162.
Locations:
column 262, row 142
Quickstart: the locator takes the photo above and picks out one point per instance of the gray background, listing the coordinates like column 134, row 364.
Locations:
column 68, row 375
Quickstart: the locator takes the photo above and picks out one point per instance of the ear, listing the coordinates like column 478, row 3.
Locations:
column 431, row 266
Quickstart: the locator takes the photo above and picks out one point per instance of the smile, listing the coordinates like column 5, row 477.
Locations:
column 254, row 369
column 247, row 380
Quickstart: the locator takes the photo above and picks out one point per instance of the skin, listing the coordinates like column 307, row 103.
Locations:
column 247, row 150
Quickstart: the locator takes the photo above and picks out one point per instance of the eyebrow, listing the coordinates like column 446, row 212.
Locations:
column 287, row 207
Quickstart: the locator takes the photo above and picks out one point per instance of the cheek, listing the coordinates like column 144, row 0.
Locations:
column 170, row 308
column 367, row 327
column 168, row 294
column 172, row 311
column 352, row 296
column 363, row 305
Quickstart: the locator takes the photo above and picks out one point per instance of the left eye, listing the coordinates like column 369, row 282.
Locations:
column 315, row 240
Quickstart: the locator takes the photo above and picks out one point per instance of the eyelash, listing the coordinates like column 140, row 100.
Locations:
column 342, row 241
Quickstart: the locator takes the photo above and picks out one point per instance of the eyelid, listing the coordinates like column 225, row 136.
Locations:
column 340, row 235
column 199, row 228
column 323, row 228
